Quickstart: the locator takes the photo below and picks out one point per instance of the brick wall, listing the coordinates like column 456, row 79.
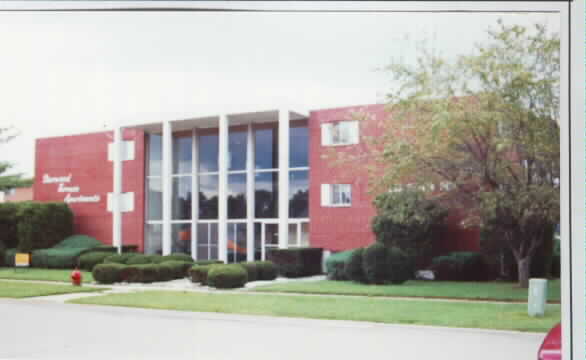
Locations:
column 342, row 228
column 85, row 157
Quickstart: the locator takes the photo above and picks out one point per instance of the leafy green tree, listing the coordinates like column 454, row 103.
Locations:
column 8, row 182
column 485, row 126
column 408, row 220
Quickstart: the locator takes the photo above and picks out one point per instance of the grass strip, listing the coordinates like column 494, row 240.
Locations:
column 42, row 274
column 16, row 290
column 499, row 291
column 419, row 312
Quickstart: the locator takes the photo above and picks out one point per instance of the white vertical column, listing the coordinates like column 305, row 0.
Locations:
column 250, row 194
column 117, row 190
column 167, row 185
column 223, row 188
column 194, row 194
column 283, row 178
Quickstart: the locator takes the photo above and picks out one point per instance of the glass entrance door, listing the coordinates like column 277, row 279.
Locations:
column 236, row 243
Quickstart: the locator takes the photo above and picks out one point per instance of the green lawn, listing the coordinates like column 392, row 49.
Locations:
column 42, row 274
column 432, row 289
column 420, row 312
column 11, row 289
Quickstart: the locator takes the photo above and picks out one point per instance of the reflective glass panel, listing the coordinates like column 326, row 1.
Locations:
column 181, row 238
column 304, row 234
column 154, row 199
column 237, row 196
column 266, row 148
column 299, row 194
column 237, row 149
column 299, row 145
column 153, row 239
column 208, row 152
column 208, row 196
column 292, row 240
column 266, row 186
column 181, row 200
column 182, row 152
column 155, row 146
column 236, row 242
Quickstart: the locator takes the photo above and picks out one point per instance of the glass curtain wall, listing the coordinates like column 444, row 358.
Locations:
column 195, row 168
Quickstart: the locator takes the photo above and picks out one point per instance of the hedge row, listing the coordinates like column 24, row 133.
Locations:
column 460, row 266
column 374, row 264
column 108, row 273
column 232, row 275
column 297, row 262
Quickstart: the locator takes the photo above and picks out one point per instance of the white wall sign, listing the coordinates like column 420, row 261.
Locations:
column 48, row 179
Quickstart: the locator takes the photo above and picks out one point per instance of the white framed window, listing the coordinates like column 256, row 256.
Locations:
column 336, row 195
column 340, row 133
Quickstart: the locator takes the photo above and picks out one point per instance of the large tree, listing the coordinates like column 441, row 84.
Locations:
column 485, row 126
column 8, row 182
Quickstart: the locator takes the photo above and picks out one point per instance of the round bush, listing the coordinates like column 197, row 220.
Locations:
column 353, row 266
column 227, row 276
column 199, row 273
column 179, row 257
column 375, row 263
column 178, row 268
column 138, row 259
column 251, row 270
column 108, row 273
column 88, row 260
column 265, row 270
column 401, row 266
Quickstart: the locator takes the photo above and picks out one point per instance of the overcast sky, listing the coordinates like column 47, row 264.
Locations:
column 68, row 73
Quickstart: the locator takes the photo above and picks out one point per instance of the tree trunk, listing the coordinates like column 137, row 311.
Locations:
column 523, row 267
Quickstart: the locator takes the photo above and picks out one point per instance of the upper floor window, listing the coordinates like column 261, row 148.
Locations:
column 336, row 195
column 340, row 133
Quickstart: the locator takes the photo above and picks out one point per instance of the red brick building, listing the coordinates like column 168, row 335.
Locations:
column 262, row 180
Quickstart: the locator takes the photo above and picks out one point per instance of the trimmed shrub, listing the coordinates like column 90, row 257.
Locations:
column 43, row 225
column 119, row 258
column 207, row 262
column 2, row 253
column 227, row 276
column 460, row 266
column 179, row 257
column 88, row 260
column 138, row 259
column 9, row 225
column 199, row 273
column 9, row 255
column 251, row 270
column 335, row 264
column 375, row 263
column 401, row 266
column 297, row 262
column 108, row 273
column 177, row 268
column 142, row 273
column 353, row 266
column 155, row 259
column 265, row 270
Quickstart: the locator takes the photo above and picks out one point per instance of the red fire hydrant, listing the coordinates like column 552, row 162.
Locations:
column 76, row 277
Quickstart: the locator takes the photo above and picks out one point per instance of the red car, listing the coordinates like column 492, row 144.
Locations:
column 551, row 348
